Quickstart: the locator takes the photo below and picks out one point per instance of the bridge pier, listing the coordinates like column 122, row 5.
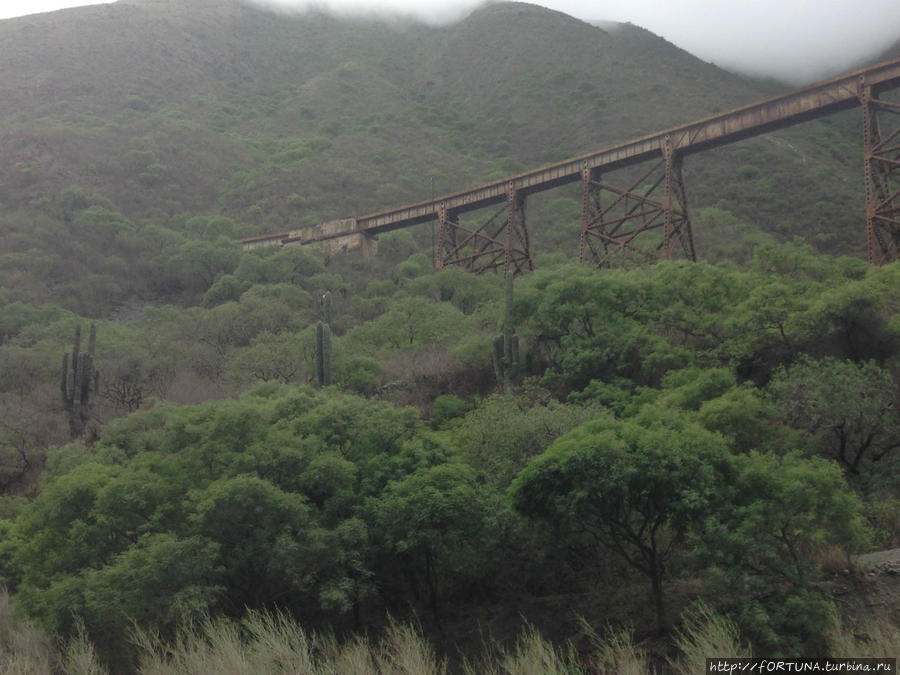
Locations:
column 625, row 223
column 881, row 158
column 678, row 221
column 495, row 243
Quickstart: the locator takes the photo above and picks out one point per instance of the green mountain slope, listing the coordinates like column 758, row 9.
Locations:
column 545, row 86
column 155, row 111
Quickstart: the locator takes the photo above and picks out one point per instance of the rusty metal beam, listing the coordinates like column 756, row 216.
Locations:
column 881, row 163
column 823, row 98
column 625, row 223
column 678, row 220
column 493, row 244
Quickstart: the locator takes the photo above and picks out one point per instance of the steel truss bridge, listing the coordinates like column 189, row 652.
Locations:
column 647, row 218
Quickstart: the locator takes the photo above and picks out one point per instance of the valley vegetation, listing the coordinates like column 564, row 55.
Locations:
column 666, row 427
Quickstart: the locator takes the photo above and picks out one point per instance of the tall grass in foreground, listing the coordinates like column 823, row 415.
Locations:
column 273, row 644
column 23, row 648
column 531, row 655
column 616, row 653
column 705, row 634
column 26, row 650
column 874, row 639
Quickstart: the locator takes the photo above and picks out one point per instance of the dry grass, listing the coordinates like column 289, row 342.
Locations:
column 705, row 634
column 614, row 652
column 403, row 651
column 355, row 657
column 834, row 559
column 877, row 639
column 617, row 653
column 533, row 655
column 273, row 644
column 212, row 646
column 79, row 657
column 26, row 650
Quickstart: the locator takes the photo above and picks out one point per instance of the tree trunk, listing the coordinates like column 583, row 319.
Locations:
column 656, row 579
column 431, row 579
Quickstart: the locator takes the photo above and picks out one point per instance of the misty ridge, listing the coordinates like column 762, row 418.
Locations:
column 794, row 45
column 767, row 42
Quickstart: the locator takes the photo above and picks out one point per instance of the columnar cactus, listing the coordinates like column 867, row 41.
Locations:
column 326, row 307
column 506, row 346
column 323, row 354
column 79, row 387
column 323, row 344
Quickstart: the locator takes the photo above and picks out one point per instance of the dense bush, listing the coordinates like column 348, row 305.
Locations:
column 657, row 406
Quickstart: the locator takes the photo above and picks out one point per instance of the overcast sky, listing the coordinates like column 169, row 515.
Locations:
column 795, row 40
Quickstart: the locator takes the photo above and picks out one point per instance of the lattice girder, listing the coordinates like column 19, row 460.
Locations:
column 625, row 223
column 881, row 157
column 498, row 242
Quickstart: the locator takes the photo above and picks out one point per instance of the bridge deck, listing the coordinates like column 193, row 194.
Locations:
column 800, row 105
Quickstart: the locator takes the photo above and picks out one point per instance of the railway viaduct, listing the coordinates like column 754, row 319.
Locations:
column 646, row 219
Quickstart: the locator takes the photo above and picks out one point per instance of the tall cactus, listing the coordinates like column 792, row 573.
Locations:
column 326, row 307
column 79, row 387
column 506, row 346
column 323, row 343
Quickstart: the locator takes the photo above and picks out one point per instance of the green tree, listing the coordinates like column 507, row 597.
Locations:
column 447, row 408
column 689, row 388
column 598, row 325
column 635, row 487
column 297, row 265
column 410, row 322
column 162, row 581
column 761, row 545
column 266, row 540
column 746, row 417
column 858, row 318
column 503, row 433
column 282, row 357
column 227, row 288
column 770, row 318
column 358, row 373
column 432, row 522
column 457, row 286
column 850, row 409
column 199, row 263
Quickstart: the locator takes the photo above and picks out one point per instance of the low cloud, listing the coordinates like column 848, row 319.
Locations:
column 797, row 41
column 431, row 14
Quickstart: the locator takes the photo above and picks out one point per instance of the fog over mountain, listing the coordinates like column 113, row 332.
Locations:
column 796, row 41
